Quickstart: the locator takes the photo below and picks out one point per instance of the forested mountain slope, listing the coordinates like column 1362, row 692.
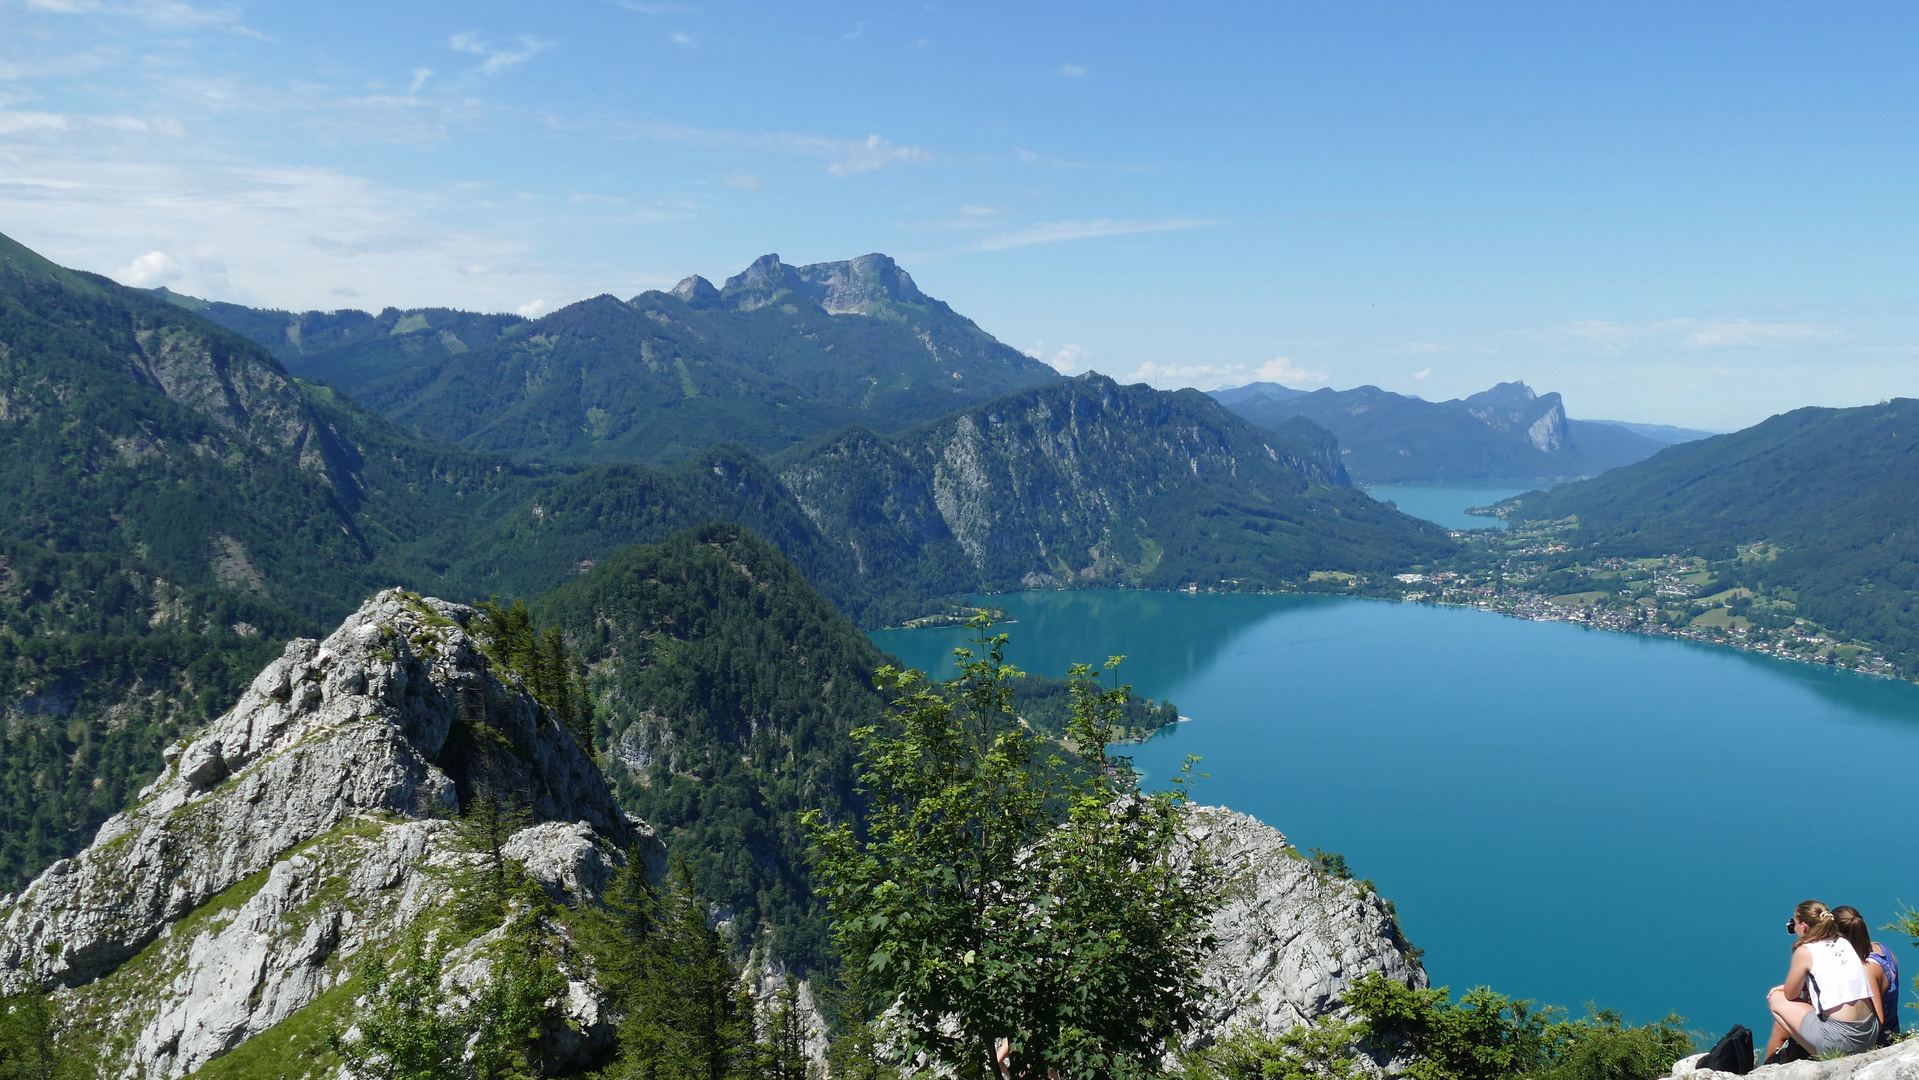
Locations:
column 1832, row 494
column 726, row 689
column 1505, row 433
column 353, row 349
column 1089, row 482
column 778, row 355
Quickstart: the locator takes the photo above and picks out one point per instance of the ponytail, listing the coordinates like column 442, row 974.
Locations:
column 1820, row 924
column 1852, row 927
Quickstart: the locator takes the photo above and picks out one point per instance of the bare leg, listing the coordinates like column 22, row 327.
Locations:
column 1777, row 1040
column 1787, row 1013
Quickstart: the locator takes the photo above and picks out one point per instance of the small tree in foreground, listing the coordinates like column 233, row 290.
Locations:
column 1024, row 904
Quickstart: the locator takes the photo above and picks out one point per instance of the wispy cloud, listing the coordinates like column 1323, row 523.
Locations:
column 1280, row 369
column 1613, row 338
column 683, row 39
column 1073, row 71
column 844, row 157
column 498, row 60
column 48, row 123
column 859, row 28
column 165, row 13
column 1053, row 232
column 1424, row 347
column 742, row 180
column 1422, row 373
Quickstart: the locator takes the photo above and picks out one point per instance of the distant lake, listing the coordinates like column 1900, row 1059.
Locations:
column 1561, row 813
column 1447, row 504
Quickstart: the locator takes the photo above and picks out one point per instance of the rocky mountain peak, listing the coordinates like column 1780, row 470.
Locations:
column 852, row 286
column 696, row 290
column 1512, row 406
column 305, row 816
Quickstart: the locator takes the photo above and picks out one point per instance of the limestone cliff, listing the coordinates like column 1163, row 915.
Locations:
column 298, row 829
column 1291, row 938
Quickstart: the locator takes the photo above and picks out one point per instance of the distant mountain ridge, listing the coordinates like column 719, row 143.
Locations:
column 779, row 355
column 1664, row 434
column 1505, row 433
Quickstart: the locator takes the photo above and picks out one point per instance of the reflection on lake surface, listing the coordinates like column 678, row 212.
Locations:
column 1562, row 813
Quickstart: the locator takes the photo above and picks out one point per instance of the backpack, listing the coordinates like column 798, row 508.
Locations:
column 1732, row 1054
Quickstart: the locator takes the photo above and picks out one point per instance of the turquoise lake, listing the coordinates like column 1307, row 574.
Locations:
column 1562, row 813
column 1446, row 504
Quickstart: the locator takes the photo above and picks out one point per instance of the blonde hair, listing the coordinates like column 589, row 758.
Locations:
column 1852, row 926
column 1820, row 924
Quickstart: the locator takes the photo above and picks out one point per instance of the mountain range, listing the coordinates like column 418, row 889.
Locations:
column 776, row 356
column 1507, row 433
column 174, row 502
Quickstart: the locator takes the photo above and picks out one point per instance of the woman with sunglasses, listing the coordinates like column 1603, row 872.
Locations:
column 1826, row 1004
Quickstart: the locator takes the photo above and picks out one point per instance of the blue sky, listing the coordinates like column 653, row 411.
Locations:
column 1693, row 213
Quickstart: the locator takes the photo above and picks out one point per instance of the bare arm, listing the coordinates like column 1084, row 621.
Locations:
column 1876, row 978
column 1797, row 973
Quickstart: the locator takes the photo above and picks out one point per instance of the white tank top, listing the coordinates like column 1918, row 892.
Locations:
column 1837, row 975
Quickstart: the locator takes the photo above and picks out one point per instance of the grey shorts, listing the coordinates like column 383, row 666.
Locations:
column 1837, row 1038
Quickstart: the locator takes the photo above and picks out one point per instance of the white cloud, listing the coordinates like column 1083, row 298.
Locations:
column 1070, row 360
column 498, row 60
column 153, row 268
column 683, row 39
column 1280, row 369
column 1422, row 373
column 1425, row 347
column 874, row 153
column 532, row 309
column 742, row 180
column 652, row 9
column 1073, row 71
column 1050, row 232
column 858, row 29
column 420, row 76
column 17, row 123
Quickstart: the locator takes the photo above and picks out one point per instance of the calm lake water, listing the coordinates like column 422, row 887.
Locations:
column 1447, row 504
column 1561, row 813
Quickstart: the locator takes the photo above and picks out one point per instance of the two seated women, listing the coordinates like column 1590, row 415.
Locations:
column 1841, row 992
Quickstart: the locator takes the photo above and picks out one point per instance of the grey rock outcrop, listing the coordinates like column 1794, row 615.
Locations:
column 300, row 827
column 1291, row 938
column 1900, row 1061
column 853, row 286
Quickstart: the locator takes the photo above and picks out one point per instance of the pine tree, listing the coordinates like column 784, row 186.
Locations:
column 783, row 1050
column 483, row 886
column 688, row 1017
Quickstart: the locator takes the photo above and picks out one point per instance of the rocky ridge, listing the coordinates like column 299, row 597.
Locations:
column 1291, row 938
column 303, row 827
